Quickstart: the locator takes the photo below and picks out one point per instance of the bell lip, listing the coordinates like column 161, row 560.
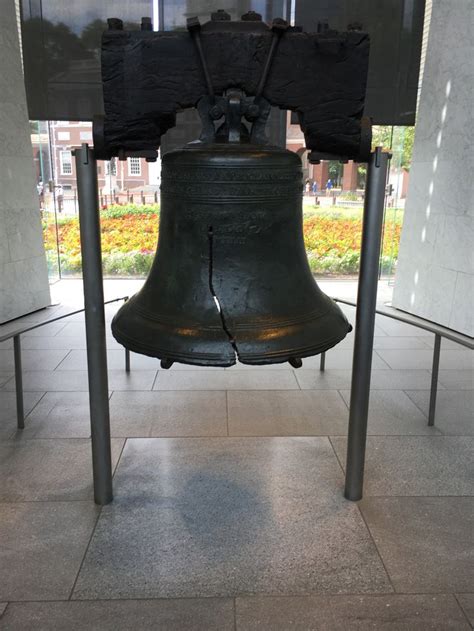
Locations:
column 278, row 357
column 281, row 357
column 193, row 360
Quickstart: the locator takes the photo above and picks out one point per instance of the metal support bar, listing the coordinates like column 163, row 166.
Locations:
column 127, row 360
column 322, row 362
column 87, row 188
column 20, row 411
column 365, row 322
column 434, row 380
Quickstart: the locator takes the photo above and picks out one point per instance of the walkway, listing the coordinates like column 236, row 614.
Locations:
column 228, row 510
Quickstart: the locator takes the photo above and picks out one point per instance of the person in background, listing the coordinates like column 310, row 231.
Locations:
column 60, row 197
column 314, row 187
column 40, row 189
column 329, row 186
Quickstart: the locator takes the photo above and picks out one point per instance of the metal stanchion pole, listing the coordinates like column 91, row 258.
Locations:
column 365, row 322
column 87, row 191
column 434, row 380
column 20, row 411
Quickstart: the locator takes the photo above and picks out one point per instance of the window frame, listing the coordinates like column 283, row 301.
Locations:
column 138, row 162
column 63, row 162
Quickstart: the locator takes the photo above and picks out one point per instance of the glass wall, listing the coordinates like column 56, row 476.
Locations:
column 129, row 191
column 129, row 201
column 333, row 202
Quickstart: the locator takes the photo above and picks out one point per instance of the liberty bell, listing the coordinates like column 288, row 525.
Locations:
column 230, row 280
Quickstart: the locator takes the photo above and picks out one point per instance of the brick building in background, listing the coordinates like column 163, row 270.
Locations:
column 54, row 160
column 347, row 176
column 114, row 176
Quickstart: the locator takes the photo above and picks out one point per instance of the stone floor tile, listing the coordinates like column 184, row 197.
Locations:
column 8, row 421
column 396, row 612
column 5, row 376
column 399, row 329
column 454, row 413
column 42, row 469
column 181, row 413
column 238, row 366
column 77, row 360
column 287, row 413
column 135, row 380
column 52, row 400
column 42, row 547
column 32, row 360
column 226, row 380
column 64, row 420
column 391, row 412
column 281, row 613
column 3, row 606
column 73, row 328
column 400, row 343
column 323, row 380
column 60, row 381
column 196, row 614
column 223, row 517
column 416, row 465
column 456, row 379
column 341, row 359
column 466, row 602
column 400, row 379
column 381, row 379
column 69, row 342
column 47, row 330
column 419, row 359
column 177, row 366
column 426, row 543
column 76, row 380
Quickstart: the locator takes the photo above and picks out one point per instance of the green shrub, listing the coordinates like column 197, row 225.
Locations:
column 116, row 210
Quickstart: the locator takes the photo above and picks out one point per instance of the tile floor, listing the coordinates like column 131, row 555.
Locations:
column 228, row 510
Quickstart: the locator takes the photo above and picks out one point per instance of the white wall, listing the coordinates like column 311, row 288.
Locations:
column 23, row 271
column 435, row 275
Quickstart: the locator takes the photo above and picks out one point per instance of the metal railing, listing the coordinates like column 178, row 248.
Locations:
column 20, row 408
column 438, row 331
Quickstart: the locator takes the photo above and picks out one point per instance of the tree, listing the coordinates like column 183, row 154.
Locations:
column 397, row 139
column 408, row 140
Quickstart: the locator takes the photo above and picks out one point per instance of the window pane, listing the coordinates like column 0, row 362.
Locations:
column 134, row 166
column 66, row 162
column 60, row 42
column 396, row 31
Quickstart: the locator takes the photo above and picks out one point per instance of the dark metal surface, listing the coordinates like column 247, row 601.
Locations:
column 434, row 379
column 365, row 322
column 320, row 76
column 20, row 411
column 87, row 190
column 231, row 278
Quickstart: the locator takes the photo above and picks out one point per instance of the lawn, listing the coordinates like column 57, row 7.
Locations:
column 130, row 234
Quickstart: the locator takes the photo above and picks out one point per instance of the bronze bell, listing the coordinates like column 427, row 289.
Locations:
column 230, row 280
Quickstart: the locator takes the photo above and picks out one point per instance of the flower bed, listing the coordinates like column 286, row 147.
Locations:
column 130, row 235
